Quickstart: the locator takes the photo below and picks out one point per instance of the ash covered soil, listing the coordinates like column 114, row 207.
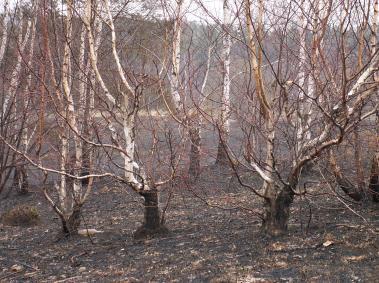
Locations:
column 214, row 237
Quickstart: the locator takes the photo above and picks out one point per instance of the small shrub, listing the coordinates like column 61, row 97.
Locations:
column 21, row 215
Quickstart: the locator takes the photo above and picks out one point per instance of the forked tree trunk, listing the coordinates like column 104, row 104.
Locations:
column 152, row 224
column 194, row 166
column 277, row 212
column 71, row 224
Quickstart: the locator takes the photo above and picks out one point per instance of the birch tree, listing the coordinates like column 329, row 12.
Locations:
column 224, row 120
column 14, row 118
column 358, row 190
column 336, row 117
column 134, row 175
column 374, row 177
column 26, row 133
column 72, row 193
column 4, row 38
column 178, row 101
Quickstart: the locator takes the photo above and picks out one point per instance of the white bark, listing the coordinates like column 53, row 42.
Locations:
column 93, row 52
column 175, row 73
column 374, row 33
column 128, row 150
column 303, row 130
column 15, row 76
column 83, row 72
column 4, row 38
column 25, row 137
column 127, row 118
column 114, row 49
column 71, row 111
column 225, row 98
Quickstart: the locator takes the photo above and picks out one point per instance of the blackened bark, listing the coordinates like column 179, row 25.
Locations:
column 349, row 189
column 152, row 213
column 222, row 154
column 374, row 178
column 84, row 181
column 307, row 169
column 277, row 212
column 194, row 166
column 152, row 225
column 71, row 225
column 86, row 162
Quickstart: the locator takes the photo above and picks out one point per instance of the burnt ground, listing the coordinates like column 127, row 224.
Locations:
column 214, row 237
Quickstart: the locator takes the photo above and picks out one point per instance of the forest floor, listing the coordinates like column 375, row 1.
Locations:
column 214, row 237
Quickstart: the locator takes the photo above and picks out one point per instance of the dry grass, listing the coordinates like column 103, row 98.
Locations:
column 21, row 215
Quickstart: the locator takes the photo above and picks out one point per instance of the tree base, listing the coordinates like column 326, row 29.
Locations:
column 308, row 169
column 277, row 212
column 24, row 192
column 145, row 233
column 222, row 158
column 71, row 225
column 274, row 231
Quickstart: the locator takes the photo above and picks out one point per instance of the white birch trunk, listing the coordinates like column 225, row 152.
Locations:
column 15, row 76
column 152, row 223
column 303, row 119
column 224, row 121
column 4, row 38
column 128, row 152
column 21, row 172
column 175, row 73
column 227, row 43
column 25, row 136
column 71, row 111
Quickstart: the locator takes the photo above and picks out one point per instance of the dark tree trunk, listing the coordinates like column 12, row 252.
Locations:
column 374, row 178
column 71, row 225
column 307, row 169
column 152, row 216
column 222, row 154
column 20, row 180
column 277, row 211
column 348, row 188
column 86, row 162
column 358, row 161
column 194, row 166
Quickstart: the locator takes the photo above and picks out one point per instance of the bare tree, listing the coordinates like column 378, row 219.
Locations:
column 336, row 116
column 15, row 96
column 224, row 123
column 127, row 108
